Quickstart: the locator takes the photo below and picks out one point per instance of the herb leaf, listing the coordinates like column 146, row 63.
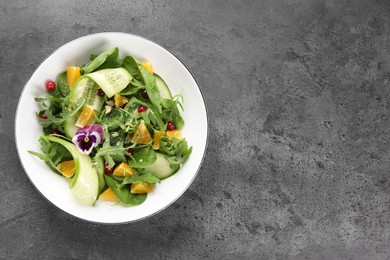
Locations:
column 61, row 117
column 62, row 84
column 176, row 149
column 52, row 154
column 107, row 59
column 141, row 74
column 111, row 153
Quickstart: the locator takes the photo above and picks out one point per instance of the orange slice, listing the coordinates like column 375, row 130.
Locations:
column 174, row 133
column 141, row 134
column 141, row 187
column 72, row 73
column 109, row 195
column 67, row 168
column 148, row 66
column 120, row 101
column 86, row 117
column 156, row 140
column 123, row 170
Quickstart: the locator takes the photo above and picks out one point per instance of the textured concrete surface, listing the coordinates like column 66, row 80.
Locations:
column 298, row 101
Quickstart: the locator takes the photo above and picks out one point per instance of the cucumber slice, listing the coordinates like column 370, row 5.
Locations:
column 99, row 166
column 86, row 88
column 162, row 168
column 111, row 81
column 85, row 182
column 162, row 87
column 70, row 128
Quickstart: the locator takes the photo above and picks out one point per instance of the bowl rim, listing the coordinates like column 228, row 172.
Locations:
column 18, row 108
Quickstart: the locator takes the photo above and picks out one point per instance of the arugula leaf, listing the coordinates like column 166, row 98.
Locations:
column 123, row 192
column 111, row 153
column 114, row 120
column 151, row 115
column 107, row 59
column 52, row 154
column 62, row 84
column 172, row 113
column 51, row 103
column 176, row 149
column 63, row 116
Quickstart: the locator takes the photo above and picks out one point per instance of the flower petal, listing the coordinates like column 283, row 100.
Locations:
column 85, row 147
column 95, row 138
column 98, row 129
column 78, row 138
column 81, row 131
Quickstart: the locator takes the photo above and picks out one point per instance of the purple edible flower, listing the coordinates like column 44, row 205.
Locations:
column 88, row 137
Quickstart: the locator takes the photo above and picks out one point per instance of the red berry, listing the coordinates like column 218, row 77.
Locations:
column 100, row 92
column 43, row 116
column 141, row 109
column 170, row 126
column 108, row 170
column 50, row 85
column 130, row 150
column 144, row 94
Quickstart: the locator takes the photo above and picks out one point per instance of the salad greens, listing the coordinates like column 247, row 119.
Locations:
column 119, row 121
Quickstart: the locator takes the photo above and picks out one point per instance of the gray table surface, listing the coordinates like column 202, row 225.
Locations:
column 297, row 165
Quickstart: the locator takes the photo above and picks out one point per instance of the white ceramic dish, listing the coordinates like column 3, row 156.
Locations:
column 54, row 187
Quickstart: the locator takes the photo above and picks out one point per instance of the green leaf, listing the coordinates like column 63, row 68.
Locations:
column 142, row 157
column 123, row 192
column 111, row 154
column 115, row 119
column 141, row 74
column 107, row 59
column 61, row 117
column 151, row 88
column 177, row 150
column 62, row 84
column 150, row 116
column 172, row 113
column 132, row 88
column 138, row 177
column 131, row 65
column 52, row 154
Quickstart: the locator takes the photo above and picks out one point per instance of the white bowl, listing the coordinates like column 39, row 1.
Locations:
column 54, row 187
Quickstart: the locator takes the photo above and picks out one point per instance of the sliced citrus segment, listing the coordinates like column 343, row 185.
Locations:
column 72, row 74
column 86, row 117
column 174, row 133
column 123, row 170
column 67, row 168
column 120, row 101
column 156, row 140
column 148, row 66
column 141, row 188
column 141, row 134
column 109, row 195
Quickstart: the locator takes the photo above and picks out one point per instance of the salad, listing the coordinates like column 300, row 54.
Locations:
column 112, row 128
